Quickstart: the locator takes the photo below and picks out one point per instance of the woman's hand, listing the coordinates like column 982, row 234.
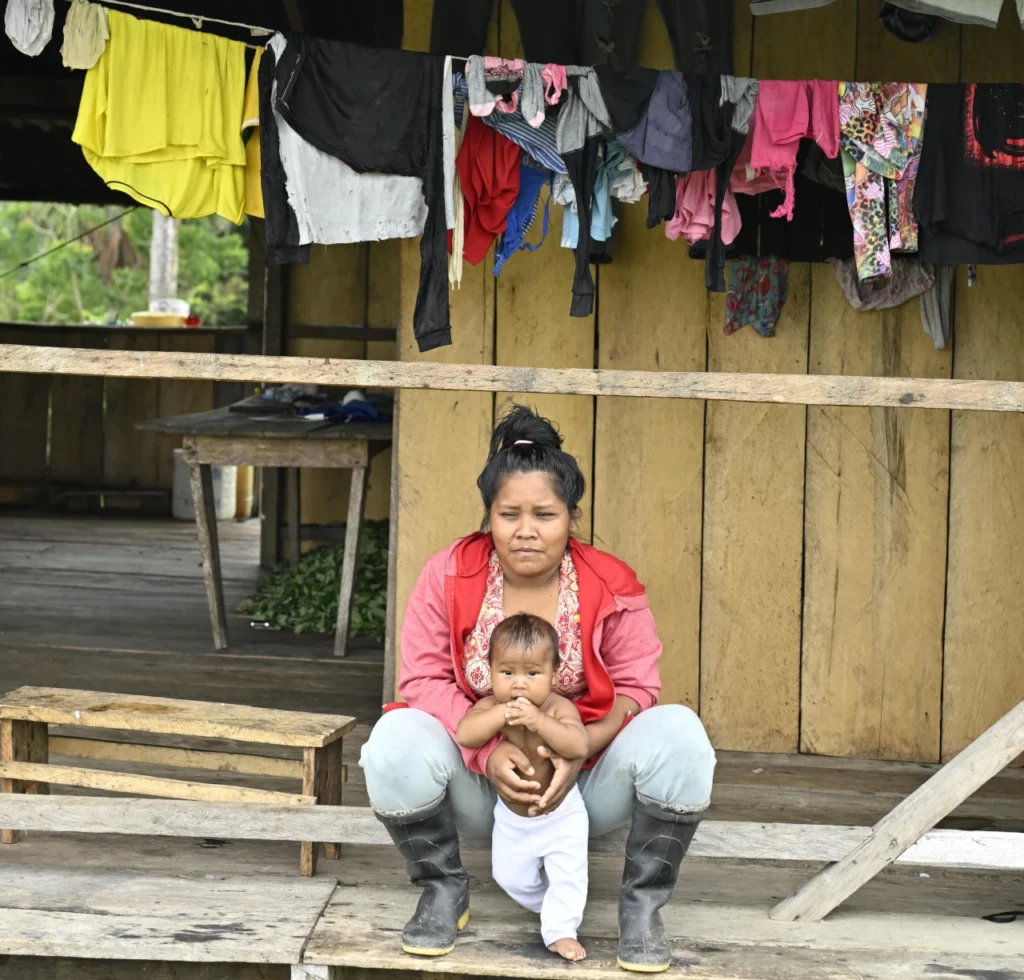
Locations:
column 501, row 771
column 562, row 781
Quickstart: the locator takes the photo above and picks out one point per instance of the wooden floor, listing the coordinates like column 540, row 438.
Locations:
column 118, row 605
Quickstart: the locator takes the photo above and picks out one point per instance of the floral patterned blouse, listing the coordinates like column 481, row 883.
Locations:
column 569, row 679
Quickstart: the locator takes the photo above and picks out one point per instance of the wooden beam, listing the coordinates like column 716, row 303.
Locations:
column 737, row 840
column 126, row 782
column 160, row 755
column 986, row 396
column 908, row 822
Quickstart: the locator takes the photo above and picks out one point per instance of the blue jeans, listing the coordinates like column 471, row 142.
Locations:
column 663, row 755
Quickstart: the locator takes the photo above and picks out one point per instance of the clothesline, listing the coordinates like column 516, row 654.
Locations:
column 197, row 19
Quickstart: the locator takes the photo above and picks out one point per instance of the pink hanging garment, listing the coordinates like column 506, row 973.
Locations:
column 785, row 113
column 694, row 218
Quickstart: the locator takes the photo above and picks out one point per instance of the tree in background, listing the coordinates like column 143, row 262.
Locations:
column 104, row 277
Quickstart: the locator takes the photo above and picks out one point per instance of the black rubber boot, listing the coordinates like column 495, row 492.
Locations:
column 658, row 840
column 430, row 845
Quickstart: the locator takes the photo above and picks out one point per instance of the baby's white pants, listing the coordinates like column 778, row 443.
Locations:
column 542, row 863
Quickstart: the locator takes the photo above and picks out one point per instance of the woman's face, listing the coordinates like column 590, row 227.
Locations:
column 530, row 525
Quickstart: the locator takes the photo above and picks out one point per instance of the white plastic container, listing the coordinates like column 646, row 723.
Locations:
column 224, row 490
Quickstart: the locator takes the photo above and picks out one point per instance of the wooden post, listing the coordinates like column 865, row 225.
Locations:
column 321, row 777
column 22, row 741
column 350, row 560
column 907, row 823
column 206, row 521
column 294, row 550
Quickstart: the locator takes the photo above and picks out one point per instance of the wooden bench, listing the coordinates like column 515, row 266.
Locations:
column 25, row 744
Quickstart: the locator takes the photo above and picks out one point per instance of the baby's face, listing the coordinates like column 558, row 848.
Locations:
column 522, row 673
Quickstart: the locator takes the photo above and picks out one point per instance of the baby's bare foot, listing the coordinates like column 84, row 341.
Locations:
column 568, row 949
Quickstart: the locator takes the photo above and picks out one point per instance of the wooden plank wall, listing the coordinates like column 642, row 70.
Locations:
column 832, row 581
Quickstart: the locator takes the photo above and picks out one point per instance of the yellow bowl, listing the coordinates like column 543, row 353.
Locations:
column 150, row 319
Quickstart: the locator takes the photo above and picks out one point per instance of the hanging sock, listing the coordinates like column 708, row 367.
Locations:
column 937, row 306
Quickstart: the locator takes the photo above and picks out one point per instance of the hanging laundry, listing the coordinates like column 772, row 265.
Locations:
column 583, row 122
column 486, row 77
column 448, row 147
column 785, row 113
column 700, row 32
column 251, row 135
column 548, row 28
column 910, row 277
column 489, row 173
column 937, row 306
column 321, row 198
column 522, row 214
column 378, row 111
column 663, row 135
column 907, row 26
column 969, row 198
column 784, row 6
column 540, row 142
column 29, row 24
column 819, row 168
column 85, row 34
column 617, row 178
column 757, row 291
column 984, row 12
column 880, row 133
column 694, row 217
column 168, row 138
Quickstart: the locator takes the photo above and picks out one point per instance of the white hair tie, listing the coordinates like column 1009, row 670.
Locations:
column 524, row 442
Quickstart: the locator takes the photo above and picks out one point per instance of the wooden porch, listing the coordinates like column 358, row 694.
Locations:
column 118, row 605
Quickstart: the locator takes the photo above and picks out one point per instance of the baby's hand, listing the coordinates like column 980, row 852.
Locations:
column 522, row 713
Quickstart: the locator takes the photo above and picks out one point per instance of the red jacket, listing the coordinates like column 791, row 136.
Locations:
column 620, row 641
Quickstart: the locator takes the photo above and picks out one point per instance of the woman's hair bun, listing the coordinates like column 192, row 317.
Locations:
column 525, row 442
column 521, row 424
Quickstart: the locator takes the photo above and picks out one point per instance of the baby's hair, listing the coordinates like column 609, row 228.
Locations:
column 522, row 631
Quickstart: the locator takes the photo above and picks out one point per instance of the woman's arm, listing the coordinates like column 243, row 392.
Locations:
column 481, row 723
column 601, row 733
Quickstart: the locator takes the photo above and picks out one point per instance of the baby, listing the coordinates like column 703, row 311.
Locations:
column 539, row 861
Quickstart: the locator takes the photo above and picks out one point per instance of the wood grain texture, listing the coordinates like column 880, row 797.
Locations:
column 649, row 454
column 205, row 508
column 911, row 820
column 125, row 782
column 180, row 398
column 284, row 452
column 443, row 440
column 438, row 376
column 533, row 326
column 127, row 916
column 875, row 543
column 76, row 433
column 21, row 742
column 162, row 755
column 753, row 535
column 358, row 827
column 24, row 407
column 132, row 457
column 984, row 614
column 350, row 557
column 357, row 930
column 93, row 709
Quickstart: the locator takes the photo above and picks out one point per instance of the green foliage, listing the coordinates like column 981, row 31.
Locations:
column 104, row 277
column 303, row 598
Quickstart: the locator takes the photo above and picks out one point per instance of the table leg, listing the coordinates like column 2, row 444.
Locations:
column 294, row 516
column 22, row 741
column 206, row 521
column 350, row 561
column 322, row 778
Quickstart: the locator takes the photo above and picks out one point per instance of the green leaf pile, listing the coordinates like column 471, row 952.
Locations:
column 303, row 598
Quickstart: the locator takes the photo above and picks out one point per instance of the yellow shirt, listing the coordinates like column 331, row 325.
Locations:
column 159, row 118
column 251, row 120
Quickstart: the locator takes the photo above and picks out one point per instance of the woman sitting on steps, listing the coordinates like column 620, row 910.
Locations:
column 650, row 766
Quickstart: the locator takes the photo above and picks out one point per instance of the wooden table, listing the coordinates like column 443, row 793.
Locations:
column 27, row 713
column 227, row 438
